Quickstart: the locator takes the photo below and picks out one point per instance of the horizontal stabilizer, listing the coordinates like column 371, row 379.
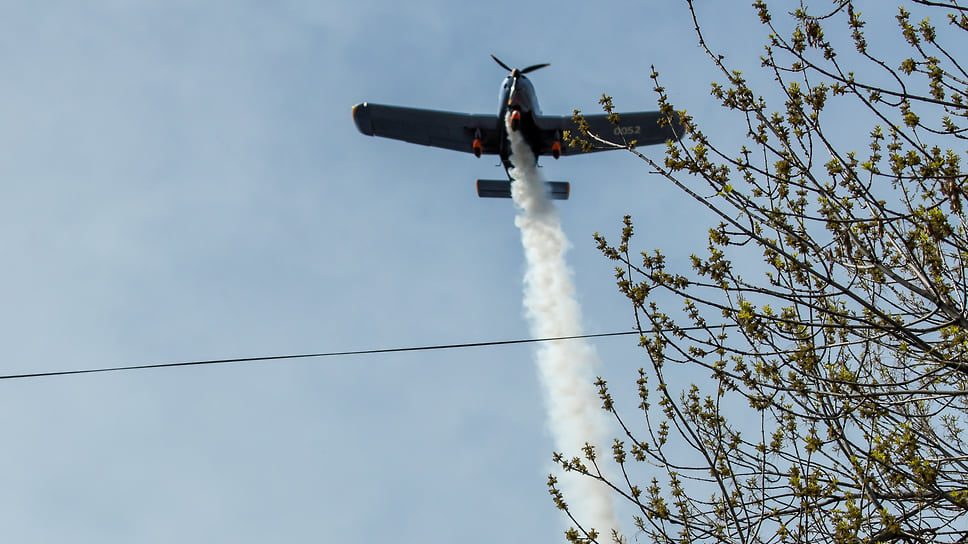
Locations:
column 501, row 188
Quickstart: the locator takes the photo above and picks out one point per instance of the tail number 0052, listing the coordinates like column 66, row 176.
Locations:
column 625, row 131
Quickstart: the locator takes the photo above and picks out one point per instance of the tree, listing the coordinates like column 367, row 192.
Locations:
column 845, row 358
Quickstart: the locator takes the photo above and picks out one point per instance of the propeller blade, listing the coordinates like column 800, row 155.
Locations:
column 535, row 67
column 497, row 60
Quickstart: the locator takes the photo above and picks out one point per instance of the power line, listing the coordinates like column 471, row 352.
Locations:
column 310, row 355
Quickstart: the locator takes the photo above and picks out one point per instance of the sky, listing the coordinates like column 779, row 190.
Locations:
column 183, row 181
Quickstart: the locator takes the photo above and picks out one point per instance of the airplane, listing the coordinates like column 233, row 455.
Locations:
column 484, row 134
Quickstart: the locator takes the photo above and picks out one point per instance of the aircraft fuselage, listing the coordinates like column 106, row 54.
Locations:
column 518, row 98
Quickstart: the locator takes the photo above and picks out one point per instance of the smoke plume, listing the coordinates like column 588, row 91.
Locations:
column 566, row 368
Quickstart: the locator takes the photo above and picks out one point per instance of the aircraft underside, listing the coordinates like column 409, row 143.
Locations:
column 531, row 133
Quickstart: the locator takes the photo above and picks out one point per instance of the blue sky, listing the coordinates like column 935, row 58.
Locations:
column 183, row 181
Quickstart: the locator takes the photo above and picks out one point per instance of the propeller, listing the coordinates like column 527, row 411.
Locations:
column 515, row 72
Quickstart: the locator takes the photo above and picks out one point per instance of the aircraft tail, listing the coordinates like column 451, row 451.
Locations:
column 501, row 188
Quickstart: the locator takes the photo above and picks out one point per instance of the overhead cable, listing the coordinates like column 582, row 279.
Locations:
column 308, row 355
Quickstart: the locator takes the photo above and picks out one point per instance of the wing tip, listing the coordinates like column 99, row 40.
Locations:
column 361, row 117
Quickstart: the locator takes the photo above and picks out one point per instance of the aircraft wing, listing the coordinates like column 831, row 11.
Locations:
column 444, row 129
column 643, row 127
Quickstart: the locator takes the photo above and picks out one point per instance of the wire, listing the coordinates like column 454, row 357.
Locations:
column 309, row 355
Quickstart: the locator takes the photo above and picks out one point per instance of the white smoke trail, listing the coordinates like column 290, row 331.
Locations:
column 566, row 368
